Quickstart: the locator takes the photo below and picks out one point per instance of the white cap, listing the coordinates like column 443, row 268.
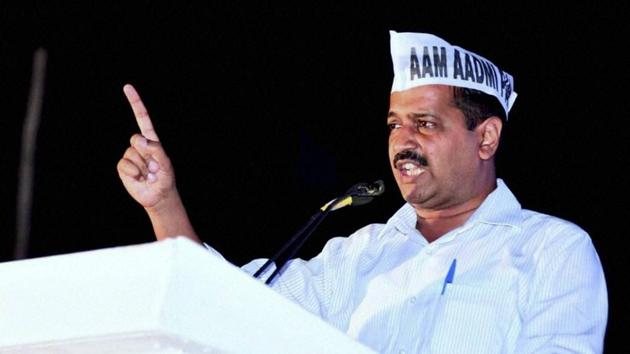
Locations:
column 424, row 59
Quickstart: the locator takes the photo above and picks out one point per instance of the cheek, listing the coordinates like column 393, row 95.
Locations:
column 391, row 141
column 447, row 158
column 390, row 150
column 461, row 159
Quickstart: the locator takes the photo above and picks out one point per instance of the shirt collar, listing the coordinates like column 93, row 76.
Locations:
column 499, row 208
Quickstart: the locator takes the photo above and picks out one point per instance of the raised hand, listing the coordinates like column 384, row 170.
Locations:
column 145, row 169
column 148, row 176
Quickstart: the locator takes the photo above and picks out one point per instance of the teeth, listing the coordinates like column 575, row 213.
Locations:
column 408, row 166
column 411, row 169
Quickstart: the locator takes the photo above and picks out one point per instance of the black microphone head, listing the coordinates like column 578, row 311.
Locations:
column 376, row 188
column 356, row 201
column 367, row 189
column 363, row 193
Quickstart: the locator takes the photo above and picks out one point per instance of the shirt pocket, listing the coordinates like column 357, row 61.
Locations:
column 471, row 320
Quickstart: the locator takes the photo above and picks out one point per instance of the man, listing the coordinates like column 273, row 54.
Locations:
column 460, row 268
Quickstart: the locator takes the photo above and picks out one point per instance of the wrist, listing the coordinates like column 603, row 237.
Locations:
column 169, row 218
column 168, row 204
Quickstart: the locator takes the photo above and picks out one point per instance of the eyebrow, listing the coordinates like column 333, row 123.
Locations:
column 421, row 115
column 412, row 115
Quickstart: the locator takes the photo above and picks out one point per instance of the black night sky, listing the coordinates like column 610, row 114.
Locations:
column 269, row 111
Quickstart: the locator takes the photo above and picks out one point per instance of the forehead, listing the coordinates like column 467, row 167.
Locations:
column 428, row 97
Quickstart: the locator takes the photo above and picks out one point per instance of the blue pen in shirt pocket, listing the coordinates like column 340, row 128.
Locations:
column 449, row 276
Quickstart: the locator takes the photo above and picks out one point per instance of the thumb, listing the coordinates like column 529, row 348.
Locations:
column 151, row 150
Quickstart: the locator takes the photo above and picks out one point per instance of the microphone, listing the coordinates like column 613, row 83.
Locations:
column 359, row 194
column 363, row 193
column 367, row 189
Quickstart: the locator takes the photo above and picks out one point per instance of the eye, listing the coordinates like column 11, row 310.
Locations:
column 425, row 124
column 391, row 126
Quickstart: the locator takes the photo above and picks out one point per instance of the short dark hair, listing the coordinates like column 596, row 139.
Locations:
column 477, row 106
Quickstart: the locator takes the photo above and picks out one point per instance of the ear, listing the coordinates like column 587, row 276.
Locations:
column 490, row 133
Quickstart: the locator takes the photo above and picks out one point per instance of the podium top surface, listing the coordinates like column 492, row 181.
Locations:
column 170, row 296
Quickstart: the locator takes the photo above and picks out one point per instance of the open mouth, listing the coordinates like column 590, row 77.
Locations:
column 408, row 168
column 410, row 163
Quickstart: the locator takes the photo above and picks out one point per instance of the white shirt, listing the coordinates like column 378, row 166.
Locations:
column 522, row 282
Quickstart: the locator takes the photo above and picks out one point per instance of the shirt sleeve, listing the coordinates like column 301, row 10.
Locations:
column 568, row 309
column 309, row 283
column 306, row 283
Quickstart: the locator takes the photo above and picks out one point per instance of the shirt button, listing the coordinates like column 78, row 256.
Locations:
column 402, row 351
column 412, row 300
column 429, row 251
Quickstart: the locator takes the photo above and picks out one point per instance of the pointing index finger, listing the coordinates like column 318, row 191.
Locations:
column 141, row 113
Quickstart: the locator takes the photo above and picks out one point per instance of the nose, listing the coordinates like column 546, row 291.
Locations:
column 403, row 138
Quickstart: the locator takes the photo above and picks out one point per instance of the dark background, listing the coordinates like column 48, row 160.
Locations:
column 269, row 111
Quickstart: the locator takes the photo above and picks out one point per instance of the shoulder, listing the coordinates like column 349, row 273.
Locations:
column 548, row 226
column 361, row 240
column 553, row 235
column 374, row 241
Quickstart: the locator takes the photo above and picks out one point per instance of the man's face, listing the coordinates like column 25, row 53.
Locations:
column 425, row 121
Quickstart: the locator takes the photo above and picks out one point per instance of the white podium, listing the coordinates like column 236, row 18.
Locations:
column 170, row 296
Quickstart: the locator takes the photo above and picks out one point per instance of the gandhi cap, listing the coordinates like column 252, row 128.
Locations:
column 425, row 59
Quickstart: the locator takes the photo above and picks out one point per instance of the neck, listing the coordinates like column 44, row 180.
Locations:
column 433, row 224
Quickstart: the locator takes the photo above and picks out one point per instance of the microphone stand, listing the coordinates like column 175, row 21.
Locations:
column 359, row 194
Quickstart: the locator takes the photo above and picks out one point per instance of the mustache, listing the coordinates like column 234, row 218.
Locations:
column 410, row 155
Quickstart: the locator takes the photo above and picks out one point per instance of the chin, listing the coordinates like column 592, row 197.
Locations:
column 411, row 196
column 418, row 197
